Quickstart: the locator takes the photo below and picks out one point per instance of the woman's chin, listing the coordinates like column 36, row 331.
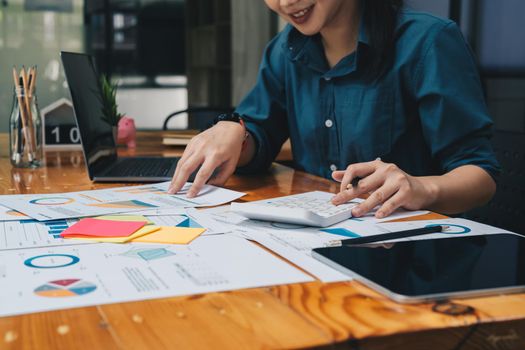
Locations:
column 307, row 30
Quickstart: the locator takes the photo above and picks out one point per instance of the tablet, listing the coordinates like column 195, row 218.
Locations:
column 435, row 269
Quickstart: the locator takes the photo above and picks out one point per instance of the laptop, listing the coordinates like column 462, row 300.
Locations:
column 96, row 135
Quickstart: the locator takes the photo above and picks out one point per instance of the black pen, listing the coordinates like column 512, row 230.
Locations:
column 353, row 183
column 389, row 236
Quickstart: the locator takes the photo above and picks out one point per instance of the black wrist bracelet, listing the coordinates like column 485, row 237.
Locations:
column 228, row 117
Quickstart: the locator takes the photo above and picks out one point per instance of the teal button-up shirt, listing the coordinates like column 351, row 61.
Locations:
column 426, row 114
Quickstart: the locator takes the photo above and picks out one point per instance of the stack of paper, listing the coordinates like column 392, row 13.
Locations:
column 38, row 220
column 69, row 205
column 71, row 263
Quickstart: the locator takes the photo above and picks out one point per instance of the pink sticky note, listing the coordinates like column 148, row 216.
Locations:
column 102, row 228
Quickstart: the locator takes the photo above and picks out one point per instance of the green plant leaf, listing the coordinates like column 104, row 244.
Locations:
column 109, row 110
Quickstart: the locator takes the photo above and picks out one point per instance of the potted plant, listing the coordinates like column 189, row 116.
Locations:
column 110, row 112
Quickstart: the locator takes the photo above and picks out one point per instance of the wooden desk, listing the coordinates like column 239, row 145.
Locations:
column 344, row 315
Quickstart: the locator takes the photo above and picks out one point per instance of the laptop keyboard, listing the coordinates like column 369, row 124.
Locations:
column 153, row 167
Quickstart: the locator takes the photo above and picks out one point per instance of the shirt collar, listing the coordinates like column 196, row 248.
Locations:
column 362, row 37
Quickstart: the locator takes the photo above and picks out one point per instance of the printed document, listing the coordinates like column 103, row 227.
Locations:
column 295, row 242
column 44, row 279
column 33, row 234
column 7, row 214
column 69, row 205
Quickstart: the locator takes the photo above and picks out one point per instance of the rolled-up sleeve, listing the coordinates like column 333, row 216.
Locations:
column 264, row 108
column 451, row 104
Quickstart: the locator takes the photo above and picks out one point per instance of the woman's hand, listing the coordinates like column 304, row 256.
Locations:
column 217, row 148
column 388, row 186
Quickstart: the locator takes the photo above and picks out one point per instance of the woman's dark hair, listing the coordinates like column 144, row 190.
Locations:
column 380, row 20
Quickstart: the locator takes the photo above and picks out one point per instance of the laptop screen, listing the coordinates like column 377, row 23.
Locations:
column 96, row 134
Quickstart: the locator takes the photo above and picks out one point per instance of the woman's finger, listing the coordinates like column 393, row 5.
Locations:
column 223, row 173
column 203, row 175
column 396, row 201
column 377, row 197
column 184, row 172
column 345, row 196
column 357, row 170
column 188, row 152
column 338, row 175
column 366, row 185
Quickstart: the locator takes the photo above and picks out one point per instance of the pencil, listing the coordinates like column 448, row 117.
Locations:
column 32, row 82
column 32, row 87
column 29, row 93
column 389, row 236
column 32, row 140
column 20, row 106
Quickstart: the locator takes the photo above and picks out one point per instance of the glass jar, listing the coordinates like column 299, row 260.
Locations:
column 25, row 131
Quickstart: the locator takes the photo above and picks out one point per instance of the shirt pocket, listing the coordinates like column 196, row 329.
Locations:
column 365, row 116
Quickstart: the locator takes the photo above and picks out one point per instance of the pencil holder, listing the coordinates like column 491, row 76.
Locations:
column 25, row 131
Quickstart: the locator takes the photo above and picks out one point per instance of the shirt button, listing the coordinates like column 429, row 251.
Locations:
column 333, row 167
column 328, row 123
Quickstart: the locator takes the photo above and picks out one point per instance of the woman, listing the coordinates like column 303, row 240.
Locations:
column 369, row 87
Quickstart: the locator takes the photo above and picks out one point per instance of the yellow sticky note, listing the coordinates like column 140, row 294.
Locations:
column 141, row 232
column 138, row 218
column 171, row 235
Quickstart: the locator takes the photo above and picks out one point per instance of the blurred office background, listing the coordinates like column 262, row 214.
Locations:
column 165, row 55
column 168, row 55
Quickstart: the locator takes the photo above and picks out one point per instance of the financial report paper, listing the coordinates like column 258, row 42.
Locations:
column 45, row 279
column 295, row 242
column 67, row 205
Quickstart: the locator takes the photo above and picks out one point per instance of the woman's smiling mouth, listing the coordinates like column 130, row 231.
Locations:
column 301, row 16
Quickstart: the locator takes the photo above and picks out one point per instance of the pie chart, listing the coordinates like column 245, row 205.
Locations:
column 51, row 261
column 15, row 213
column 52, row 201
column 65, row 288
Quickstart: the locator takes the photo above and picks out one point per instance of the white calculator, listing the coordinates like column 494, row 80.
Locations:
column 310, row 208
